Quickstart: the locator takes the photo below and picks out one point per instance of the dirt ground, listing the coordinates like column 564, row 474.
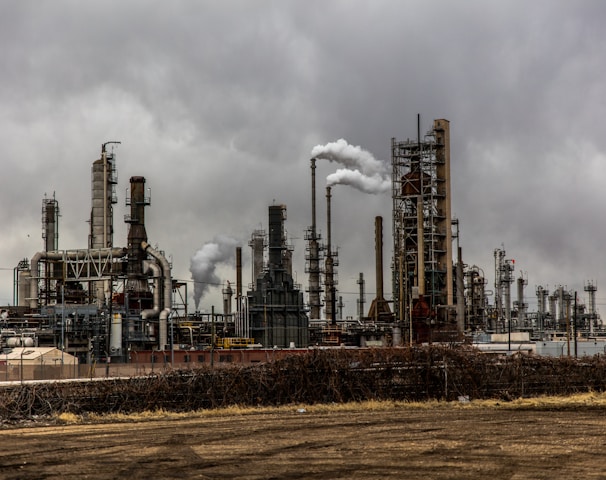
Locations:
column 441, row 443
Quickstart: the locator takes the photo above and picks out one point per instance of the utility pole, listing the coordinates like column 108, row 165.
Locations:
column 212, row 337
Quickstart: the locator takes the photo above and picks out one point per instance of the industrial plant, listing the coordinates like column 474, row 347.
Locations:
column 115, row 300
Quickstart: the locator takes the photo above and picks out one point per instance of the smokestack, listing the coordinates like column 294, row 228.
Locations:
column 379, row 308
column 328, row 225
column 136, row 232
column 329, row 278
column 314, row 253
column 313, row 197
column 379, row 255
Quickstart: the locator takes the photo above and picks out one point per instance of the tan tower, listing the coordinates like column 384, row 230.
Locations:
column 422, row 235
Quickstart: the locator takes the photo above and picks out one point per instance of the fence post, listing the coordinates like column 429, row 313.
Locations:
column 445, row 380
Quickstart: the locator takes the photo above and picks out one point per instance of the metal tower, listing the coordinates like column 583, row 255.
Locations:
column 422, row 234
column 50, row 223
column 313, row 252
column 104, row 180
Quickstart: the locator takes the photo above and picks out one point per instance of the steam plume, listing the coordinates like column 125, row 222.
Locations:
column 363, row 171
column 354, row 158
column 204, row 262
column 368, row 184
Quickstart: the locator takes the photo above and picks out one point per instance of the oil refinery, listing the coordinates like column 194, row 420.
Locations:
column 116, row 299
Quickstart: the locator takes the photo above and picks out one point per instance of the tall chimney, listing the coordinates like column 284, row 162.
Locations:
column 314, row 253
column 379, row 255
column 379, row 308
column 136, row 233
column 329, row 279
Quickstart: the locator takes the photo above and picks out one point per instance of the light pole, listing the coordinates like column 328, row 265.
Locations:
column 62, row 324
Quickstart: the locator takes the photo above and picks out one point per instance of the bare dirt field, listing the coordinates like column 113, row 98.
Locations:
column 446, row 442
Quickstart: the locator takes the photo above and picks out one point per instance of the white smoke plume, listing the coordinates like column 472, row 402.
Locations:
column 352, row 157
column 368, row 184
column 222, row 249
column 363, row 171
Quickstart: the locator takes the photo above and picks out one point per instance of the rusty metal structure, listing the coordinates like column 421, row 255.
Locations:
column 422, row 233
column 379, row 310
column 102, row 301
column 120, row 303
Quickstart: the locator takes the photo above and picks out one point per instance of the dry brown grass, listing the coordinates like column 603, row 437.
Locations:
column 582, row 400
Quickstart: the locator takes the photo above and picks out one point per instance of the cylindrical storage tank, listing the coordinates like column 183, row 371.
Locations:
column 23, row 288
column 396, row 338
column 13, row 342
column 115, row 346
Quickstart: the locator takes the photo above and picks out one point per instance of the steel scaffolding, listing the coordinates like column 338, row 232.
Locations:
column 422, row 233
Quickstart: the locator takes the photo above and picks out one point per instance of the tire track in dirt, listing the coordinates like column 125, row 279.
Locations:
column 445, row 443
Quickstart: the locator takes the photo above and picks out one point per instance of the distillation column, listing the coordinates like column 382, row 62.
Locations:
column 50, row 235
column 422, row 223
column 257, row 244
column 104, row 180
column 542, row 297
column 522, row 306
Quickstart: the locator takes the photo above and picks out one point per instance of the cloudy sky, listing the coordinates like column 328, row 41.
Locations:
column 218, row 104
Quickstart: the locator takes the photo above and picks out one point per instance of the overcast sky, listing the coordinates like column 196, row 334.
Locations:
column 218, row 104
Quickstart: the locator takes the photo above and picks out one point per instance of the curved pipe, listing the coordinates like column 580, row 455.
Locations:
column 66, row 254
column 168, row 288
column 152, row 267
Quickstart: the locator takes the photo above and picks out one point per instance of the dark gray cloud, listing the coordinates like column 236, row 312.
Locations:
column 219, row 104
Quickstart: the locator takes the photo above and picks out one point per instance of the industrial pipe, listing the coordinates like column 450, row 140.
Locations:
column 152, row 267
column 168, row 287
column 64, row 255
